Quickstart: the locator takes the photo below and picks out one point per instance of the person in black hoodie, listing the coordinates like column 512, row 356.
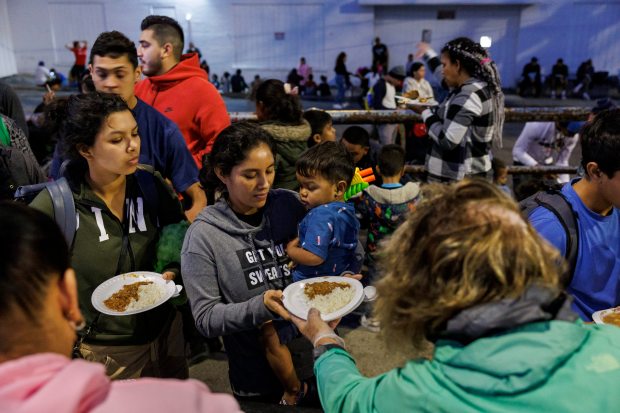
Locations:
column 234, row 261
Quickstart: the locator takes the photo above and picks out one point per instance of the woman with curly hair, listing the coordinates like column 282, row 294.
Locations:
column 469, row 274
column 463, row 127
column 121, row 212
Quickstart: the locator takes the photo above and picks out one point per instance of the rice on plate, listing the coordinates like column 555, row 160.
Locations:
column 328, row 297
column 135, row 296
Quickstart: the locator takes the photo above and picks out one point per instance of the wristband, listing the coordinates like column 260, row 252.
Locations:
column 320, row 350
column 334, row 336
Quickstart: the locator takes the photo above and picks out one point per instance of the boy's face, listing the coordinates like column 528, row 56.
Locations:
column 356, row 151
column 329, row 133
column 502, row 176
column 115, row 75
column 316, row 190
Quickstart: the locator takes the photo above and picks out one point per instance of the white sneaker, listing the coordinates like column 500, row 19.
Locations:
column 371, row 324
column 345, row 105
column 585, row 96
column 337, row 106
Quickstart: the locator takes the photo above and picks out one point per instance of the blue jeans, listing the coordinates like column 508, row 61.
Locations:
column 342, row 87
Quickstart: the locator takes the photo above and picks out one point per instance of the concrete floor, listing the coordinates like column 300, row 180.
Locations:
column 370, row 351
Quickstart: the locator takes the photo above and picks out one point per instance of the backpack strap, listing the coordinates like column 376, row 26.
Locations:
column 62, row 202
column 556, row 202
column 146, row 182
column 64, row 208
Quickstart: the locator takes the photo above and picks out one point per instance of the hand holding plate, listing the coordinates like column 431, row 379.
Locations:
column 315, row 326
column 273, row 301
column 168, row 275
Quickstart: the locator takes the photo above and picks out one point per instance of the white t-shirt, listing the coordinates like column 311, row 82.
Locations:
column 423, row 87
column 389, row 100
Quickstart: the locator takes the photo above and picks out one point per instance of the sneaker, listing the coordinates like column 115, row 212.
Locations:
column 553, row 95
column 337, row 106
column 370, row 324
column 585, row 96
column 345, row 105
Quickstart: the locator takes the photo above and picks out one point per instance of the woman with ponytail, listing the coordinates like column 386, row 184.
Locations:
column 279, row 112
column 463, row 127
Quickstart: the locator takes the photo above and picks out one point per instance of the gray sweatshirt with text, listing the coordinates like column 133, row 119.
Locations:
column 227, row 265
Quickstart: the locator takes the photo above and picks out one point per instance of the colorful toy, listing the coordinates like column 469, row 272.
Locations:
column 361, row 180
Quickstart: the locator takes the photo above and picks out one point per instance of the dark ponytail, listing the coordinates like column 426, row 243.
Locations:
column 278, row 105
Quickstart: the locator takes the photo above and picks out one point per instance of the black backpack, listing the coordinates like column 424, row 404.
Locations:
column 557, row 203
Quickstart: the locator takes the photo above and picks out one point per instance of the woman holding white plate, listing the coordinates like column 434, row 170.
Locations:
column 120, row 214
column 234, row 259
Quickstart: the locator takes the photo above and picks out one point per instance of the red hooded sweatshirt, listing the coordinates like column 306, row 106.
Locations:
column 185, row 96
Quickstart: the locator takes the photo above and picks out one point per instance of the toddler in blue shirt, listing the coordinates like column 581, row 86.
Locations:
column 325, row 246
column 328, row 233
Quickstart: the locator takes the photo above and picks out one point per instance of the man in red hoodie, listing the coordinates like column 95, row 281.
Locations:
column 177, row 86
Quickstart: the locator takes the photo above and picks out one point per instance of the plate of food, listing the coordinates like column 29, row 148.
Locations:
column 609, row 316
column 133, row 293
column 420, row 101
column 333, row 296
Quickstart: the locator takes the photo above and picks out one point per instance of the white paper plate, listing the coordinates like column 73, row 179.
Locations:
column 597, row 317
column 295, row 299
column 109, row 287
column 407, row 101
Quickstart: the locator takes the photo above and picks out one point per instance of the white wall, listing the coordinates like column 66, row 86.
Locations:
column 7, row 56
column 319, row 30
column 401, row 29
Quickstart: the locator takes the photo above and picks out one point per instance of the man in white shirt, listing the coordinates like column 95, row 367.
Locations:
column 545, row 143
column 384, row 97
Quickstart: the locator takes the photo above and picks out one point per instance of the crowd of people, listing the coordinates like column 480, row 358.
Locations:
column 531, row 81
column 158, row 180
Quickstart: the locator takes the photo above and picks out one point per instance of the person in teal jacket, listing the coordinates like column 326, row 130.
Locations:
column 469, row 274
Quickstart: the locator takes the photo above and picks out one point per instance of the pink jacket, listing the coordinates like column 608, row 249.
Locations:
column 53, row 383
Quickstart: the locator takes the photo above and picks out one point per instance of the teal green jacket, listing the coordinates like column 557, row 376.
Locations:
column 554, row 366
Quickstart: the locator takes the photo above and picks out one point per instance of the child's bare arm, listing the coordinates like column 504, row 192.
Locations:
column 302, row 256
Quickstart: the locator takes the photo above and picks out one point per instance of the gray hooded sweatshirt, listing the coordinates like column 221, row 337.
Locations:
column 227, row 265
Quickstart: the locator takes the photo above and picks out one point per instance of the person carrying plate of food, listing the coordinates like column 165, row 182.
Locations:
column 471, row 118
column 120, row 213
